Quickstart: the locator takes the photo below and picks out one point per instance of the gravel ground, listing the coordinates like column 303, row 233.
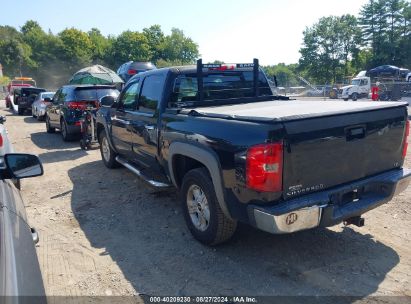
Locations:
column 104, row 232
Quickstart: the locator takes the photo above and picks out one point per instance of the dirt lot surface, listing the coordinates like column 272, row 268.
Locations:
column 104, row 232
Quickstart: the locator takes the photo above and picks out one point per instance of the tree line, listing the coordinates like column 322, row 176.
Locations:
column 340, row 46
column 52, row 58
column 332, row 48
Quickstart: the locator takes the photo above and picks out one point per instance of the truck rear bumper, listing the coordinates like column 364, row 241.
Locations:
column 331, row 206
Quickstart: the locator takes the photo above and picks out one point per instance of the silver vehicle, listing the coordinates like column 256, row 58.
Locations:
column 19, row 267
column 38, row 108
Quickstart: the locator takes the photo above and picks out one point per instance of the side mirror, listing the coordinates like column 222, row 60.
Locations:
column 22, row 165
column 48, row 99
column 107, row 101
column 2, row 119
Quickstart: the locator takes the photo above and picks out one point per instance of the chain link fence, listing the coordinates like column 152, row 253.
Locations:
column 387, row 90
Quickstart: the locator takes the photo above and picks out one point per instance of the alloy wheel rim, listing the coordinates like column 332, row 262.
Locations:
column 105, row 149
column 198, row 207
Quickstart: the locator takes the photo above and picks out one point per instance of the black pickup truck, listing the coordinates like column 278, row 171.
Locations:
column 25, row 96
column 237, row 153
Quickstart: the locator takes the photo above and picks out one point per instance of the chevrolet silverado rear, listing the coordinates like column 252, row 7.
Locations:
column 236, row 152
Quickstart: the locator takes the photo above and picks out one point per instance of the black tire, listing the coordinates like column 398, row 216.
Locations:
column 220, row 228
column 49, row 128
column 20, row 111
column 345, row 99
column 354, row 96
column 108, row 155
column 65, row 134
column 82, row 145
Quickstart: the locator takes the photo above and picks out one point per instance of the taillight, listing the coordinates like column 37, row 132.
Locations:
column 75, row 105
column 264, row 167
column 1, row 140
column 405, row 142
column 131, row 72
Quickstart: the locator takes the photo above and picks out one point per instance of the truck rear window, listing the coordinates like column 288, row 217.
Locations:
column 218, row 85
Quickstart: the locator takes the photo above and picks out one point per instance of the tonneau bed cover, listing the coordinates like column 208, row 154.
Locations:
column 286, row 110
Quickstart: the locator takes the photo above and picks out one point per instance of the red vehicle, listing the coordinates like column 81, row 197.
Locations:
column 18, row 82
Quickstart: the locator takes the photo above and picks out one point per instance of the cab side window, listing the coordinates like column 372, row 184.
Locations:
column 129, row 96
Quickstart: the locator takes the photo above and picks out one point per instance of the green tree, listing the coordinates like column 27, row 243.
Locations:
column 8, row 33
column 385, row 28
column 319, row 54
column 179, row 48
column 130, row 46
column 76, row 48
column 155, row 38
column 15, row 57
column 285, row 74
column 349, row 35
column 99, row 46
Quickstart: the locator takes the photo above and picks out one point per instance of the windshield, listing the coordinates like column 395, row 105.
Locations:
column 218, row 85
column 355, row 82
column 94, row 94
column 47, row 95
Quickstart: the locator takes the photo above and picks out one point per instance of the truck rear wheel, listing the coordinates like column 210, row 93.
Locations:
column 108, row 155
column 20, row 111
column 202, row 213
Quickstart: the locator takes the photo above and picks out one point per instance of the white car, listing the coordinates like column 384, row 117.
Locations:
column 38, row 108
column 408, row 77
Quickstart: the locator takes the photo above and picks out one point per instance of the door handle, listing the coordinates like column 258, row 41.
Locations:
column 355, row 133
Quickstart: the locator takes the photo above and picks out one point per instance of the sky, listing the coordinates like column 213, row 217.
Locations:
column 226, row 30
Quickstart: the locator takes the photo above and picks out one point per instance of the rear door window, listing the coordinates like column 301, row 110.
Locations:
column 151, row 93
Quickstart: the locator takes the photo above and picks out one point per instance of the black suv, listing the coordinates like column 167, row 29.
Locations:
column 25, row 96
column 68, row 105
column 131, row 68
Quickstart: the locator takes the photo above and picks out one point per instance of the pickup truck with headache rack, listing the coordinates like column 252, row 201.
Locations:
column 236, row 152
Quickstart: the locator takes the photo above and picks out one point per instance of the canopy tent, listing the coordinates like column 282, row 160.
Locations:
column 96, row 74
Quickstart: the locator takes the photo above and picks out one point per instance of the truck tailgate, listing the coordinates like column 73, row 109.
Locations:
column 322, row 152
column 328, row 143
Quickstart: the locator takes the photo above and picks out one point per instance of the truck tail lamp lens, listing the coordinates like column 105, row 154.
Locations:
column 405, row 143
column 132, row 72
column 264, row 168
column 1, row 140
